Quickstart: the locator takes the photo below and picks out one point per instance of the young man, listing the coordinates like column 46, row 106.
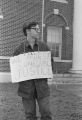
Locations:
column 35, row 89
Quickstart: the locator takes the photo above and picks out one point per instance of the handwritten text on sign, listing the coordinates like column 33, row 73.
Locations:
column 31, row 65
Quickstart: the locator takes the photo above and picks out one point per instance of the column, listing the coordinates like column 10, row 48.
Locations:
column 77, row 37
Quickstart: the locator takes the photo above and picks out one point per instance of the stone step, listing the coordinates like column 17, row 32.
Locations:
column 66, row 79
column 68, row 75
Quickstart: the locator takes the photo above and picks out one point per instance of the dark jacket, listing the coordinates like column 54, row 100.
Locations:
column 25, row 47
column 26, row 87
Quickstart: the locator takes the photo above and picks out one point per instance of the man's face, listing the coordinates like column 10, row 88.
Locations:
column 35, row 31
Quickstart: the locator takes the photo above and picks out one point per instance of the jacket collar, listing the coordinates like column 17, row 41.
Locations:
column 27, row 42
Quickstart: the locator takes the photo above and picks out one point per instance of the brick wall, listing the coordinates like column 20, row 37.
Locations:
column 17, row 12
column 67, row 35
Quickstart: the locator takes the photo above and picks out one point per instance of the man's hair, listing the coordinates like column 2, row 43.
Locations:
column 28, row 27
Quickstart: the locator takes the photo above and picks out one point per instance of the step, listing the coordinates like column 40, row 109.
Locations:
column 66, row 79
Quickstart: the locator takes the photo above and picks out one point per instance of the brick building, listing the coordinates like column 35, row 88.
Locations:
column 56, row 19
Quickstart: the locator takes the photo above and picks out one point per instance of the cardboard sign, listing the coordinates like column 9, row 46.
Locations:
column 32, row 65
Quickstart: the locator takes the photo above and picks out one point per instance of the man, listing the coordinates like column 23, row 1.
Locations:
column 35, row 89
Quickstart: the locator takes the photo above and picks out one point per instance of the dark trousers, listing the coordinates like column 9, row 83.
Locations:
column 30, row 108
column 33, row 90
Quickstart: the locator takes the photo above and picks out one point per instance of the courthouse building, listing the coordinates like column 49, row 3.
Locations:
column 56, row 23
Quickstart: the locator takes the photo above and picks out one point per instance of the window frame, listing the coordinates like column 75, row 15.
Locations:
column 60, row 44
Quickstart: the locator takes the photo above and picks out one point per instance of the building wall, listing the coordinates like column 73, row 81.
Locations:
column 66, row 10
column 18, row 12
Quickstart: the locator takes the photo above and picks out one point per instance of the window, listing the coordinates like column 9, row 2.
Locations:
column 54, row 40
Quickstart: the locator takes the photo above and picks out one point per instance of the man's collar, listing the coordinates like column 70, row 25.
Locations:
column 27, row 42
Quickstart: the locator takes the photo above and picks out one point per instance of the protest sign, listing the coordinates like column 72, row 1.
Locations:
column 32, row 65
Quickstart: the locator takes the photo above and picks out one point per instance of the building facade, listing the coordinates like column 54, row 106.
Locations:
column 56, row 23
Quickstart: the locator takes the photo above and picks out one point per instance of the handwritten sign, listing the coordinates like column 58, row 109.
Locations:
column 32, row 65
